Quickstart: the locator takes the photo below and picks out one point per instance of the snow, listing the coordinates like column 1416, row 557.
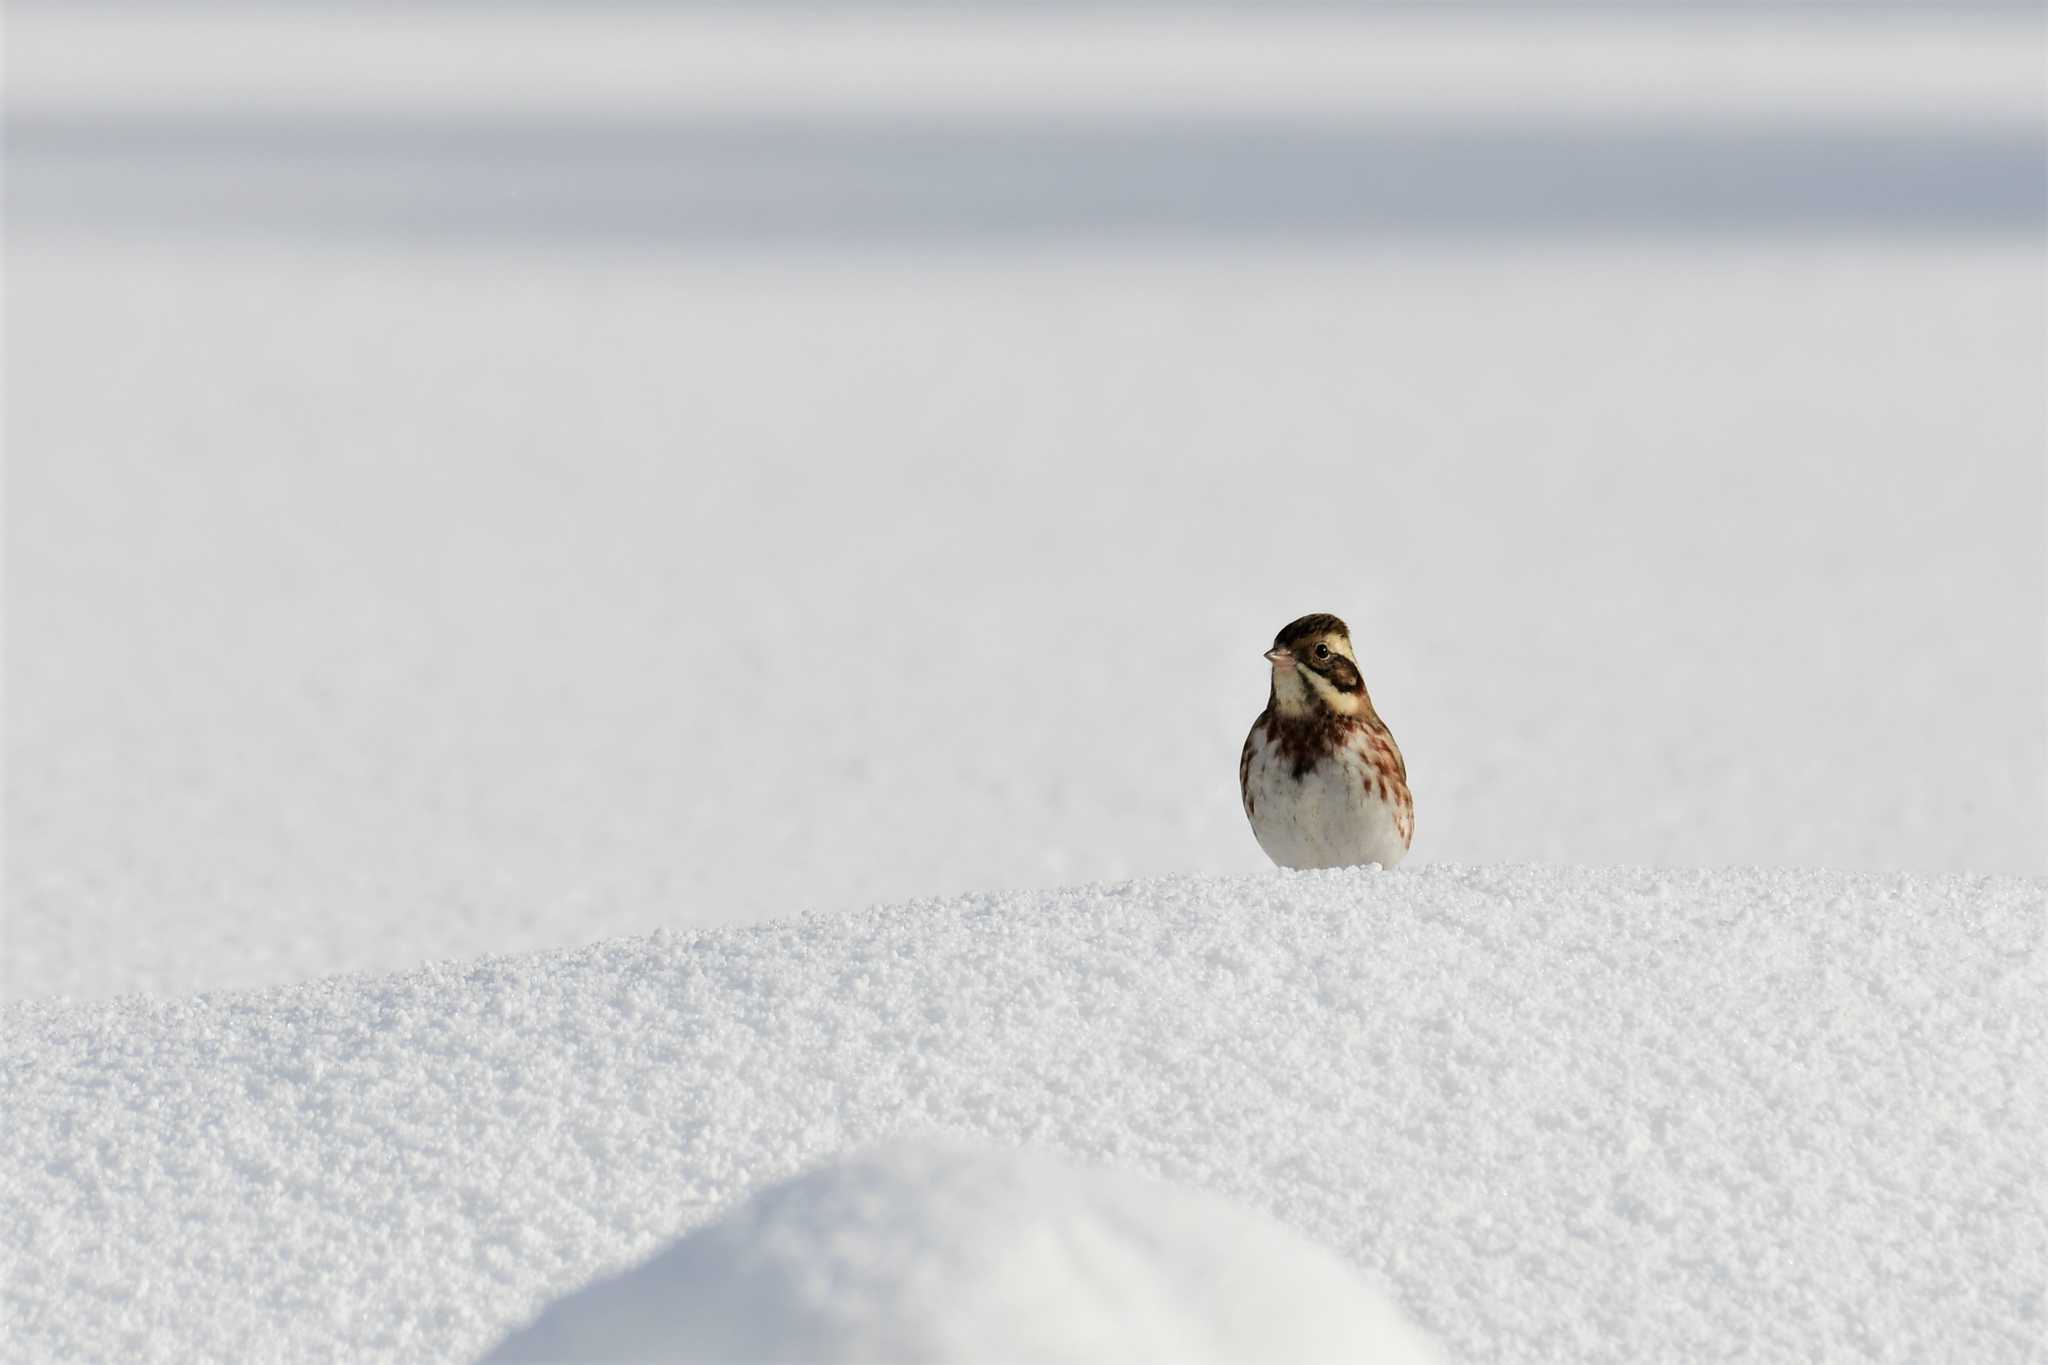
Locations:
column 595, row 502
column 508, row 602
column 937, row 1252
column 1956, row 67
column 672, row 467
column 1602, row 1115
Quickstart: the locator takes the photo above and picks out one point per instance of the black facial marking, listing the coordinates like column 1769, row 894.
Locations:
column 1342, row 673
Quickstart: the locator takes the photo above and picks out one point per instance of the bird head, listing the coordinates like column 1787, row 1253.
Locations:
column 1315, row 668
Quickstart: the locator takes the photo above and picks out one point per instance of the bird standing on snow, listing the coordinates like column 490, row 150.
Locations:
column 1323, row 780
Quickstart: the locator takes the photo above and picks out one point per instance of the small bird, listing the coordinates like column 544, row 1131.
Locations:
column 1323, row 782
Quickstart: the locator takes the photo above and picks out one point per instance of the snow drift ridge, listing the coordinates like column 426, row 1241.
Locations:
column 1604, row 1114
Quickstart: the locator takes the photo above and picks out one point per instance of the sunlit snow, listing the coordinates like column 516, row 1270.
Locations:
column 523, row 529
column 923, row 1252
column 1614, row 1115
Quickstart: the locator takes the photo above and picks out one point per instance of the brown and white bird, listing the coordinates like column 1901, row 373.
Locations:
column 1323, row 781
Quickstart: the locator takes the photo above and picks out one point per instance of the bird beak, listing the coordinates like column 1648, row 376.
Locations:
column 1281, row 658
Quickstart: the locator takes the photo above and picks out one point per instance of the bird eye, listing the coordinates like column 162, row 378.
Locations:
column 1322, row 651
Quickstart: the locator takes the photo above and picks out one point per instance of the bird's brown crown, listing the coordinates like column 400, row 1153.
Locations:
column 1304, row 630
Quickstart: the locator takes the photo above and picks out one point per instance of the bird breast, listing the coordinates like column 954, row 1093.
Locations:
column 1333, row 806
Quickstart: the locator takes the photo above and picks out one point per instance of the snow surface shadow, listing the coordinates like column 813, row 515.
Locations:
column 868, row 180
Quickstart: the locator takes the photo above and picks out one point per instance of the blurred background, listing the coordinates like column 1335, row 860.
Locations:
column 490, row 477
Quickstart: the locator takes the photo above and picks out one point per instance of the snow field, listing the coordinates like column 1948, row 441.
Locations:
column 650, row 466
column 598, row 484
column 384, row 607
column 1955, row 67
column 1598, row 1115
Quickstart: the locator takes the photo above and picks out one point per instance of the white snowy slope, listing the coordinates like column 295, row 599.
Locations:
column 937, row 1252
column 1596, row 1115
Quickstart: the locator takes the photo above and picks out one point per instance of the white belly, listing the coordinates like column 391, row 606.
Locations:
column 1330, row 817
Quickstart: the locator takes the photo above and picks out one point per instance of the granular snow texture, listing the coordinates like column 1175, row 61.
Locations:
column 921, row 1251
column 1588, row 1115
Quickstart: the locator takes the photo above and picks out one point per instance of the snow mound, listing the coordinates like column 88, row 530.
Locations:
column 934, row 1252
column 1597, row 1115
